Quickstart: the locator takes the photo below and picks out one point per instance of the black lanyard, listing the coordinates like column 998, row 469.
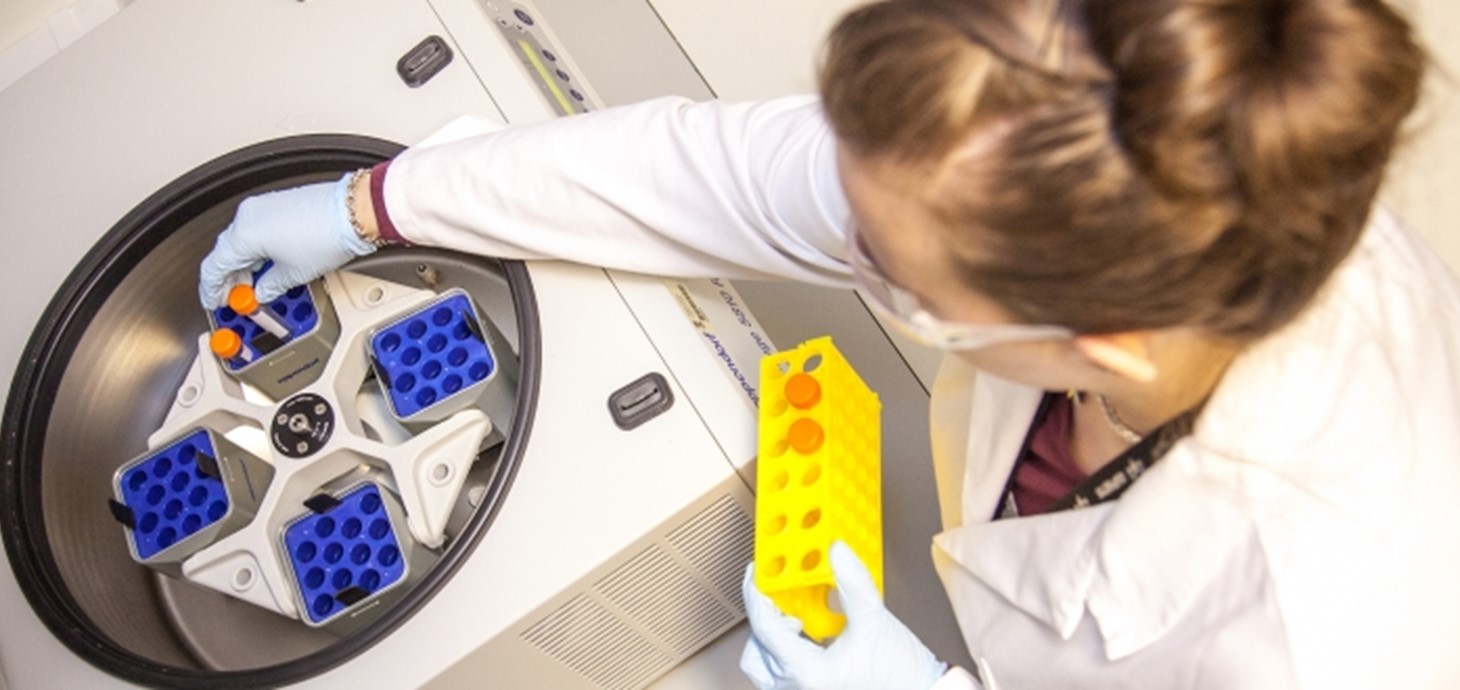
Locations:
column 1112, row 479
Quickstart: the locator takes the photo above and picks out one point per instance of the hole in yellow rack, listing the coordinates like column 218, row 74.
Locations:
column 811, row 364
column 811, row 560
column 811, row 519
column 776, row 566
column 780, row 480
column 778, row 408
column 781, row 369
column 776, row 525
column 813, row 473
column 779, row 448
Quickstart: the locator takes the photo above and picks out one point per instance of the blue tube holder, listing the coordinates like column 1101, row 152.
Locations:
column 281, row 367
column 434, row 360
column 192, row 491
column 350, row 554
column 296, row 310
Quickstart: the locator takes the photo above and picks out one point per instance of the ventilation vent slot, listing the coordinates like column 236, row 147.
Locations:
column 718, row 543
column 665, row 603
column 589, row 639
column 663, row 597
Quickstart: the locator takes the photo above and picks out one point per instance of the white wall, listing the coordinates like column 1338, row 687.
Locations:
column 20, row 17
column 1424, row 184
column 31, row 31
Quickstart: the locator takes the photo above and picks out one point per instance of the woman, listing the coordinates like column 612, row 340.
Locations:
column 1213, row 436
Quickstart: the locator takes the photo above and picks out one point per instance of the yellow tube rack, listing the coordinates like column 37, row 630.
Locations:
column 818, row 479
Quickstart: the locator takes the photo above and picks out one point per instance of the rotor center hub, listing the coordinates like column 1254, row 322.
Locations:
column 303, row 425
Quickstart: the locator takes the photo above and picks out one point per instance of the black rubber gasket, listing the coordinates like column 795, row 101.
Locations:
column 52, row 345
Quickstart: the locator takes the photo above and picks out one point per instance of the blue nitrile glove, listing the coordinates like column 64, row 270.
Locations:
column 305, row 230
column 874, row 652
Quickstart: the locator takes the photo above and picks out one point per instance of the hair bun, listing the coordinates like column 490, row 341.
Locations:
column 1258, row 98
column 1122, row 165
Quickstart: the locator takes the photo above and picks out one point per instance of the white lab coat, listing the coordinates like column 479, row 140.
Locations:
column 1306, row 535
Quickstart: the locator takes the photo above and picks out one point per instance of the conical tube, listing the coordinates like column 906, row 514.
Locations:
column 242, row 299
column 228, row 345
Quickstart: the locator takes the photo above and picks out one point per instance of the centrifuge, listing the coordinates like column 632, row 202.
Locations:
column 554, row 490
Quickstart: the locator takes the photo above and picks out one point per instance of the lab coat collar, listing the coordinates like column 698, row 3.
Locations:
column 1042, row 564
column 1136, row 564
column 1001, row 411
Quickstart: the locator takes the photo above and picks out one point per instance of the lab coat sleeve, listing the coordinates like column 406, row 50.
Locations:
column 667, row 186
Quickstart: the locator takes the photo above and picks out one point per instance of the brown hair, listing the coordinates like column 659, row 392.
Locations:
column 1138, row 164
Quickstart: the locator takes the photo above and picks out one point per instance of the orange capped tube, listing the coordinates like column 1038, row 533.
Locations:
column 802, row 391
column 805, row 436
column 227, row 344
column 242, row 299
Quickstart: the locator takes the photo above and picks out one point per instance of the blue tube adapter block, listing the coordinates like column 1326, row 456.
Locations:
column 351, row 556
column 438, row 359
column 280, row 367
column 185, row 495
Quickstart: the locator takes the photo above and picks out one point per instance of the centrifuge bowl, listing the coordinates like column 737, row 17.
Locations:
column 98, row 377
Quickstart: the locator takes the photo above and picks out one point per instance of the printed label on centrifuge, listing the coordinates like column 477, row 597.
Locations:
column 727, row 329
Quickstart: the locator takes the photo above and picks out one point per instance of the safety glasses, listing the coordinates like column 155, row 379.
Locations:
column 905, row 311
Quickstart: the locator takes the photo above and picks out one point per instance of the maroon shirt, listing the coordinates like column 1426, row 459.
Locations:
column 1047, row 472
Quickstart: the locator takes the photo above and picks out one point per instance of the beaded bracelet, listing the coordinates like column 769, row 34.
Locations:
column 350, row 209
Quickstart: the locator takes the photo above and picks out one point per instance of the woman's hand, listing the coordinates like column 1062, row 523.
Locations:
column 305, row 231
column 875, row 650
